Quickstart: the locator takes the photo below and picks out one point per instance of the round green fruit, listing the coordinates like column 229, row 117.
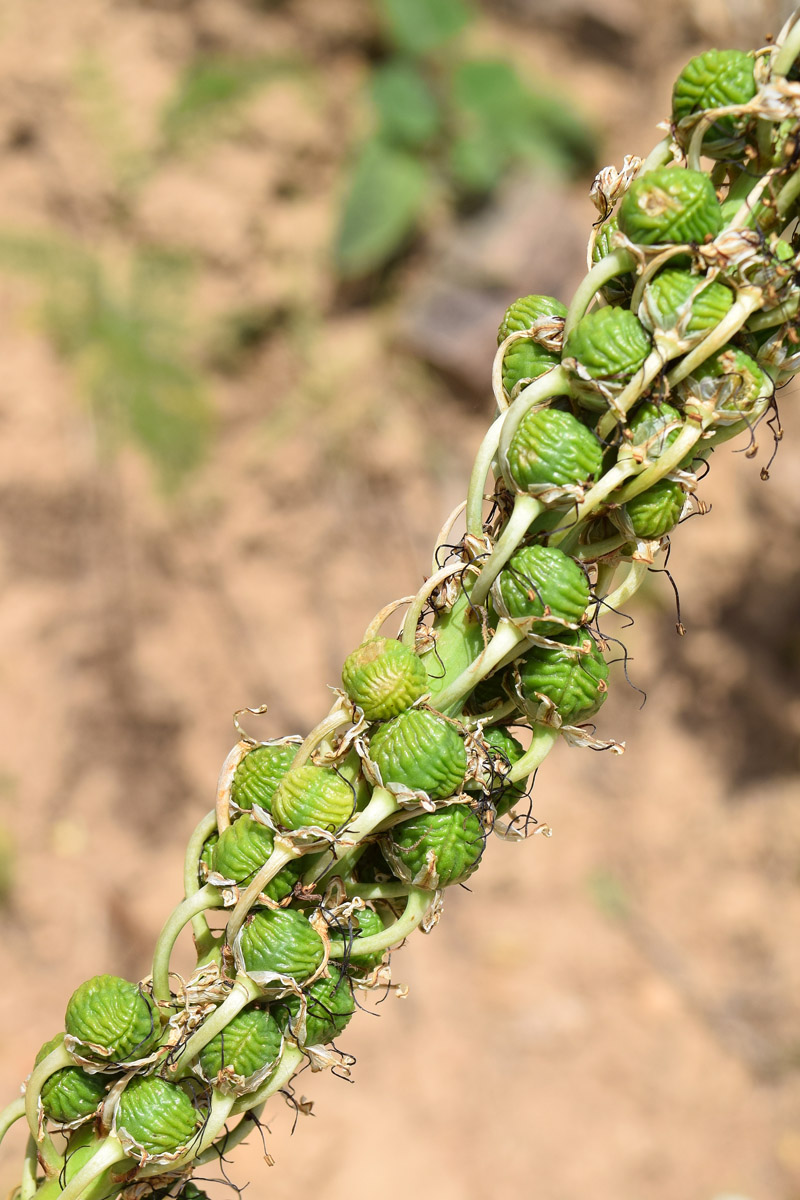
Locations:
column 281, row 942
column 521, row 315
column 504, row 751
column 670, row 205
column 656, row 511
column 420, row 751
column 243, row 849
column 573, row 682
column 715, row 79
column 383, row 677
column 609, row 346
column 330, row 1005
column 113, row 1019
column 542, row 582
column 525, row 360
column 259, row 773
column 551, row 448
column 158, row 1117
column 315, row 796
column 70, row 1094
column 248, row 1045
column 438, row 849
column 672, row 302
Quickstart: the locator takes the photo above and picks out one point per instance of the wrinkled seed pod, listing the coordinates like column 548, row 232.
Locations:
column 156, row 1115
column 112, row 1013
column 551, row 448
column 654, row 512
column 540, row 577
column 313, row 795
column 523, row 312
column 437, row 849
column 281, row 941
column 259, row 773
column 330, row 1005
column 732, row 379
column 526, row 360
column 71, row 1093
column 503, row 746
column 648, row 426
column 369, row 923
column 610, row 344
column 667, row 296
column 383, row 677
column 249, row 1043
column 669, row 205
column 574, row 683
column 421, row 751
column 715, row 79
column 241, row 852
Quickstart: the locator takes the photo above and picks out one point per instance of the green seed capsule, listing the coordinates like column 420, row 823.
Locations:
column 650, row 427
column 383, row 677
column 524, row 361
column 330, row 1005
column 369, row 923
column 69, row 1094
column 259, row 774
column 549, row 449
column 113, row 1019
column 574, row 683
column 313, row 796
column 540, row 578
column 438, row 849
column 716, row 79
column 609, row 345
column 670, row 205
column 283, row 942
column 505, row 751
column 523, row 312
column 158, row 1117
column 420, row 751
column 248, row 1045
column 669, row 303
column 732, row 381
column 241, row 852
column 654, row 512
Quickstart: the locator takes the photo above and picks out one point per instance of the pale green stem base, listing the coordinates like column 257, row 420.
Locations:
column 11, row 1114
column 382, row 806
column 206, row 897
column 542, row 742
column 56, row 1060
column 109, row 1153
column 291, row 1059
column 191, row 883
column 419, row 901
column 526, row 510
column 242, row 993
column 480, row 471
column 507, row 638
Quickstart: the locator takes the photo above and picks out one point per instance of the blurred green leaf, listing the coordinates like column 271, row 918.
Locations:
column 122, row 331
column 388, row 188
column 211, row 89
column 501, row 121
column 407, row 109
column 419, row 26
column 609, row 894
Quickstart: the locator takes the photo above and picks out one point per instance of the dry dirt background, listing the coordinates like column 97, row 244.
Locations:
column 611, row 1013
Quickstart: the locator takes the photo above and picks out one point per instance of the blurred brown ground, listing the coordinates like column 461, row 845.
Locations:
column 611, row 1013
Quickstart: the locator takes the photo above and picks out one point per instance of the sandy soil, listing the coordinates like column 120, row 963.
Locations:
column 610, row 1012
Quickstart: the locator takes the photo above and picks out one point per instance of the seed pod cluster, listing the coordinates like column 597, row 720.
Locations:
column 326, row 851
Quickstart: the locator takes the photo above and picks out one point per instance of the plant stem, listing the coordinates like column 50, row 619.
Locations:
column 10, row 1114
column 290, row 1061
column 507, row 638
column 244, row 990
column 56, row 1060
column 204, row 939
column 480, row 471
column 747, row 301
column 526, row 510
column 419, row 901
column 618, row 262
column 109, row 1153
column 283, row 852
column 542, row 742
column 382, row 806
column 205, row 897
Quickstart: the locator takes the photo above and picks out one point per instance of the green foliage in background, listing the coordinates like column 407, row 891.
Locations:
column 119, row 326
column 444, row 123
